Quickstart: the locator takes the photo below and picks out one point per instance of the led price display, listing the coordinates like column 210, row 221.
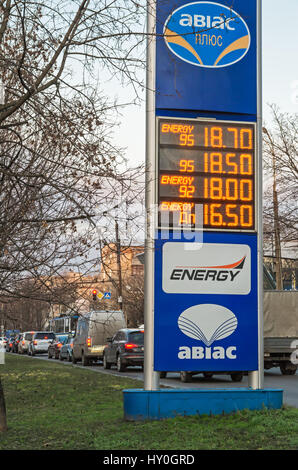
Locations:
column 209, row 163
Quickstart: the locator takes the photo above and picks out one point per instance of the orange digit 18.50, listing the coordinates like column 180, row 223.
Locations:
column 246, row 164
column 215, row 162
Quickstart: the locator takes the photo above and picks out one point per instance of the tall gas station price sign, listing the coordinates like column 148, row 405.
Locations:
column 203, row 302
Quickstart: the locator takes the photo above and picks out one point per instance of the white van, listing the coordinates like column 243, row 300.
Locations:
column 93, row 329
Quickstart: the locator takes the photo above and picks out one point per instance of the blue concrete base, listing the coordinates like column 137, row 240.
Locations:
column 167, row 403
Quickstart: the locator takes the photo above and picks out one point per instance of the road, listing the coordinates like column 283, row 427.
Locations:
column 273, row 379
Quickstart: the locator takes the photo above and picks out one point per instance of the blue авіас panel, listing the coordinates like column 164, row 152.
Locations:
column 223, row 336
column 206, row 57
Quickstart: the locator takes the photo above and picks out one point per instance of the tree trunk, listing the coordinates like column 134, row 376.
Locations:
column 3, row 424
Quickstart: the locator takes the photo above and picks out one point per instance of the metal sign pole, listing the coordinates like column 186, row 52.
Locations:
column 256, row 378
column 151, row 378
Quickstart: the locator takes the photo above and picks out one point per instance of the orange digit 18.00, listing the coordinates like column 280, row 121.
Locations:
column 216, row 188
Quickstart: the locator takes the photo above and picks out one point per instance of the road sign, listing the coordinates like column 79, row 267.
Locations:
column 107, row 296
column 100, row 295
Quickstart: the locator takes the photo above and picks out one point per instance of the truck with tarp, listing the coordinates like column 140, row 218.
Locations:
column 281, row 331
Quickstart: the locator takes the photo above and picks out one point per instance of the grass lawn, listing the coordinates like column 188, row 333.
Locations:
column 51, row 406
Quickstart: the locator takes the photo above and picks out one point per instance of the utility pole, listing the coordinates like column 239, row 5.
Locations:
column 278, row 260
column 118, row 247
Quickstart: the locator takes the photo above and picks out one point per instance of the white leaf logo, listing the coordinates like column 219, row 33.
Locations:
column 207, row 323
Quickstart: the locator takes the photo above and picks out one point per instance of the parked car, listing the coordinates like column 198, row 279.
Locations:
column 14, row 343
column 40, row 342
column 9, row 344
column 66, row 350
column 56, row 344
column 92, row 332
column 186, row 376
column 15, row 346
column 24, row 343
column 126, row 348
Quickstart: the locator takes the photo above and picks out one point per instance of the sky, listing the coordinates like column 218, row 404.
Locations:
column 280, row 76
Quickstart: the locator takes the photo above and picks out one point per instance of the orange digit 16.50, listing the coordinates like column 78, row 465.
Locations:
column 216, row 218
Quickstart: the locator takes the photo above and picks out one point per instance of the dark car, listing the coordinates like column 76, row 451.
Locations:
column 56, row 344
column 126, row 348
column 9, row 344
column 66, row 350
column 15, row 344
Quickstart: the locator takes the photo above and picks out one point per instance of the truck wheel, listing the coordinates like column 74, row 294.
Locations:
column 208, row 375
column 288, row 368
column 120, row 365
column 85, row 361
column 185, row 376
column 237, row 377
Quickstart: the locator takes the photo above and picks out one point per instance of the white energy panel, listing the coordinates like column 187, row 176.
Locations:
column 211, row 269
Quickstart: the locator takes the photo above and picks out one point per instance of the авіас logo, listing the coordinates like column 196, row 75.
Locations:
column 207, row 34
column 207, row 323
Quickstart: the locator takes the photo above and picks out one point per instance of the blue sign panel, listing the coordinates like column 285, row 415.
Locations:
column 206, row 57
column 206, row 303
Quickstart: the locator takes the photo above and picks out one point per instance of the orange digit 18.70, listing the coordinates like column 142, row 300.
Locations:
column 214, row 138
